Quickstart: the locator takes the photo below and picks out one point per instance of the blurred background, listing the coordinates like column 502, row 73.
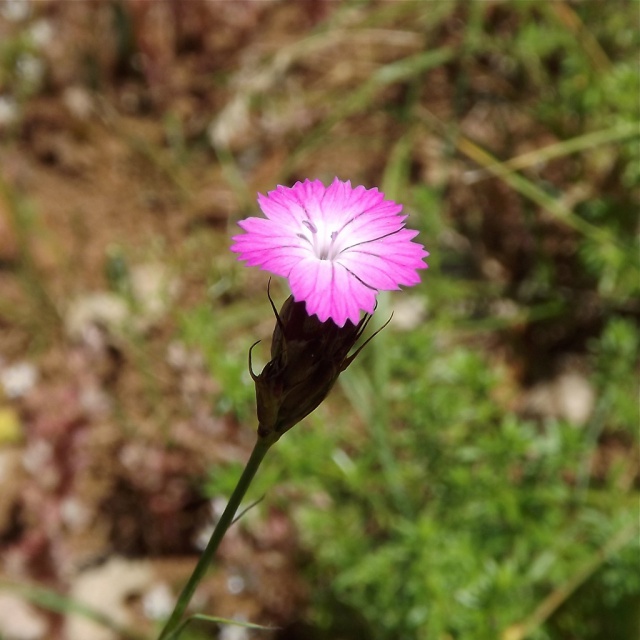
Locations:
column 475, row 474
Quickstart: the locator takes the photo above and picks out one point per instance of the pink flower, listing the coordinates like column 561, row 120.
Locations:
column 338, row 246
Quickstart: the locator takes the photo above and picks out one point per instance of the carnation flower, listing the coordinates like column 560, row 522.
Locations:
column 337, row 246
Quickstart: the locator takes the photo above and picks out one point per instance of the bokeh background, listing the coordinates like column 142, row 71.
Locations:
column 475, row 474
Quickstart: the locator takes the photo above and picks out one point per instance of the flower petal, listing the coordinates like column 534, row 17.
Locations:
column 330, row 291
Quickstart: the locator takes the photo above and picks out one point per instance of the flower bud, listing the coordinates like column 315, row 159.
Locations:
column 307, row 356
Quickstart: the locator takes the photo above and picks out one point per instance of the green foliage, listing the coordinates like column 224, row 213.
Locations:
column 494, row 525
column 616, row 356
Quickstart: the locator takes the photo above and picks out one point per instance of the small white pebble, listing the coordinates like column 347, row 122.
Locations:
column 15, row 10
column 8, row 111
column 75, row 514
column 236, row 584
column 409, row 313
column 41, row 33
column 37, row 455
column 158, row 602
column 18, row 379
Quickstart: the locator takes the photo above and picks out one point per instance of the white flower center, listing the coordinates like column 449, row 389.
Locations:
column 324, row 243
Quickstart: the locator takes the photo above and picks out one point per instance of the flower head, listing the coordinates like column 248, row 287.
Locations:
column 337, row 245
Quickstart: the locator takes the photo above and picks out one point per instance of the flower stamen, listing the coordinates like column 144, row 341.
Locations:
column 310, row 226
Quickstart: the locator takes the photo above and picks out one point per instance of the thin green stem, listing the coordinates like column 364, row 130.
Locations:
column 263, row 444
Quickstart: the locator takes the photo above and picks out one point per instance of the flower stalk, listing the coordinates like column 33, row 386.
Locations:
column 262, row 445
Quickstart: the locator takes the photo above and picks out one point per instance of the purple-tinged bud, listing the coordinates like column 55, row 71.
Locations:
column 307, row 356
